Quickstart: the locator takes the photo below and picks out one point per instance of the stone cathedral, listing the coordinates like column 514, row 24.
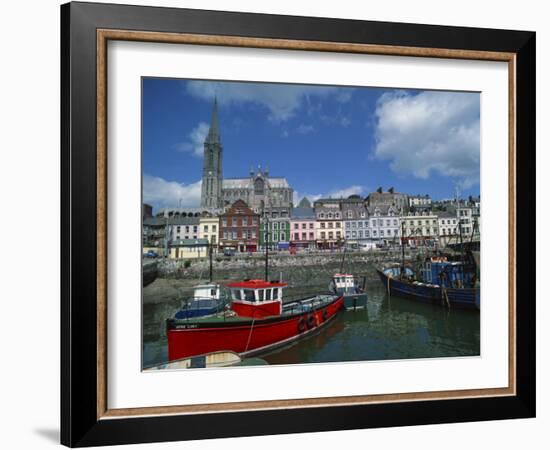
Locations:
column 259, row 190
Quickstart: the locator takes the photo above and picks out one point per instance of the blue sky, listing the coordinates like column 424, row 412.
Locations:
column 327, row 141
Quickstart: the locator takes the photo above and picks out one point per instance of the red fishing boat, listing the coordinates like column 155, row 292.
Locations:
column 257, row 321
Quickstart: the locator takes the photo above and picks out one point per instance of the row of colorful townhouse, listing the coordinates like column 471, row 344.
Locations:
column 328, row 224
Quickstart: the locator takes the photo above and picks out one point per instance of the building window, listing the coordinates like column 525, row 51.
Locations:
column 329, row 215
column 354, row 234
column 322, row 224
column 311, row 236
column 330, row 235
column 304, row 236
column 360, row 233
column 296, row 226
column 224, row 222
column 178, row 228
column 330, row 225
column 187, row 228
column 321, row 215
column 283, row 237
column 347, row 235
column 323, row 235
column 348, row 224
column 311, row 226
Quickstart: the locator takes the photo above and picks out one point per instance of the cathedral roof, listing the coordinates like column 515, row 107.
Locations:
column 245, row 183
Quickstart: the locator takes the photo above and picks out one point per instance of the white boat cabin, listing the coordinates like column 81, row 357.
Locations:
column 207, row 291
column 344, row 281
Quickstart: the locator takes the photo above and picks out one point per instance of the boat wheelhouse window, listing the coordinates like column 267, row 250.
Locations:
column 213, row 292
column 268, row 294
column 261, row 295
column 249, row 295
column 237, row 294
column 275, row 293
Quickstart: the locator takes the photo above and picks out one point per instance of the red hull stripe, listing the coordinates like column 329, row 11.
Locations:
column 249, row 337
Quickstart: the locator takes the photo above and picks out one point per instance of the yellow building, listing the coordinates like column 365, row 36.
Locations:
column 188, row 249
column 209, row 229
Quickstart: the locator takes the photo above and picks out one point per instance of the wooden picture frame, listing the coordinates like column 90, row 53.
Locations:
column 85, row 416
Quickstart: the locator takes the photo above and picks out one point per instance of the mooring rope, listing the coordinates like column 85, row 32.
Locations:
column 250, row 334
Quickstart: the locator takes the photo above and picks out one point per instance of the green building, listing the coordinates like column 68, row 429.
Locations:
column 278, row 229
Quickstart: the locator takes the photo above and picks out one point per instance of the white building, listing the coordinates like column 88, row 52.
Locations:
column 420, row 200
column 465, row 219
column 384, row 223
column 421, row 226
column 447, row 223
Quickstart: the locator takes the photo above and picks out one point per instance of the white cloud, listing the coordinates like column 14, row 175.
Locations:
column 305, row 129
column 346, row 192
column 282, row 101
column 195, row 144
column 337, row 193
column 161, row 193
column 311, row 197
column 344, row 96
column 430, row 132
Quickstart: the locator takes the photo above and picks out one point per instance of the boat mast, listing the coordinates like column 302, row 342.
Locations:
column 402, row 248
column 461, row 242
column 266, row 237
column 343, row 258
column 210, row 257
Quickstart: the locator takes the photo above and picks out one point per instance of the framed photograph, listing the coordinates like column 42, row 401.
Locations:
column 276, row 224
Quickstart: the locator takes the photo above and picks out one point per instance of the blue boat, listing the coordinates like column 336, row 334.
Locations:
column 453, row 284
column 207, row 299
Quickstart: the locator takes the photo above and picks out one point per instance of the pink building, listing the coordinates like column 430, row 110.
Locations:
column 302, row 228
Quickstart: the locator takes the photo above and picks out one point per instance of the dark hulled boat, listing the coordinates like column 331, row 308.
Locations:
column 440, row 281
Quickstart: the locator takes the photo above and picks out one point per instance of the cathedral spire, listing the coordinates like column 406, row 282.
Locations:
column 214, row 131
column 212, row 178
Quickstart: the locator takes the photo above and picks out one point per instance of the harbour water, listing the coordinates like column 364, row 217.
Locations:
column 389, row 328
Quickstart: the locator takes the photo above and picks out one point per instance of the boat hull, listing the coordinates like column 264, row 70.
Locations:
column 467, row 298
column 246, row 336
column 353, row 302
